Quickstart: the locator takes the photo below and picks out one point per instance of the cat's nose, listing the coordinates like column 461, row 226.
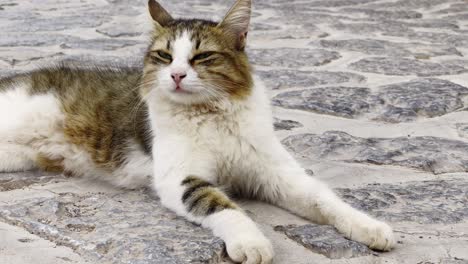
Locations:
column 177, row 77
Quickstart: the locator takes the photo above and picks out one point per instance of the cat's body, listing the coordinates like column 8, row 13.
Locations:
column 193, row 120
column 61, row 122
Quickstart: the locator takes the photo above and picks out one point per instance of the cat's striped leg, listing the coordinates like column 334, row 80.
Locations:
column 194, row 196
column 202, row 202
column 286, row 184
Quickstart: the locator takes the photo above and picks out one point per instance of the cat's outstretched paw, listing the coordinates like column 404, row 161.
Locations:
column 376, row 234
column 250, row 249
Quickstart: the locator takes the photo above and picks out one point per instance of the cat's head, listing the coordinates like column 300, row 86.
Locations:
column 194, row 61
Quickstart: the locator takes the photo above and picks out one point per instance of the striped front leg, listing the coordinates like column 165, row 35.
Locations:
column 202, row 202
column 201, row 198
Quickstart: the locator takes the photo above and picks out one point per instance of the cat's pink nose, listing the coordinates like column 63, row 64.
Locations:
column 177, row 77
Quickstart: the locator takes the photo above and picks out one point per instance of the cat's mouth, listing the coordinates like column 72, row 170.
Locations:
column 181, row 90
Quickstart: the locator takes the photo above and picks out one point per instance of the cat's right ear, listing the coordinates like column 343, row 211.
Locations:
column 158, row 13
column 236, row 22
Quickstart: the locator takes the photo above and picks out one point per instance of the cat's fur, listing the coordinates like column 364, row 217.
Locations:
column 193, row 120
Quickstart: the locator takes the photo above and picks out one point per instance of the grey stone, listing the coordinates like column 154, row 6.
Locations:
column 432, row 154
column 263, row 27
column 377, row 28
column 368, row 46
column 104, row 61
column 432, row 23
column 404, row 66
column 452, row 40
column 118, row 31
column 55, row 24
column 12, row 181
column 100, row 44
column 407, row 4
column 457, row 17
column 280, row 79
column 462, row 129
column 338, row 3
column 392, row 49
column 26, row 55
column 400, row 102
column 346, row 102
column 372, row 14
column 324, row 240
column 420, row 98
column 290, row 57
column 454, row 8
column 33, row 40
column 280, row 124
column 130, row 227
column 423, row 202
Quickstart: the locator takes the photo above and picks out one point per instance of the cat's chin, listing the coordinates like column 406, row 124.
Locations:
column 186, row 97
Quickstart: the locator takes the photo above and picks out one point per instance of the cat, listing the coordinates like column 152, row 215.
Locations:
column 194, row 122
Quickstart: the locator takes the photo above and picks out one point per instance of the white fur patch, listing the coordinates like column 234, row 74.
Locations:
column 33, row 124
column 25, row 120
column 244, row 241
column 136, row 171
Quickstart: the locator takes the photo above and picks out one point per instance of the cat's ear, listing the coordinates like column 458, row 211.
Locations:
column 158, row 13
column 236, row 22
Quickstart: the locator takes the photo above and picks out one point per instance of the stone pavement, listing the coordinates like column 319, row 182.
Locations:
column 370, row 95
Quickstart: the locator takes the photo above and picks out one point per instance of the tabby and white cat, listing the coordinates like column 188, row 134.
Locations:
column 192, row 120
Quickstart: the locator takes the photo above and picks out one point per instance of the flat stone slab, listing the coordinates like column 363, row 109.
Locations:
column 13, row 181
column 431, row 154
column 422, row 202
column 129, row 227
column 399, row 102
column 290, row 57
column 341, row 101
column 282, row 79
column 324, row 240
column 391, row 49
column 402, row 66
column 420, row 98
column 286, row 124
column 462, row 129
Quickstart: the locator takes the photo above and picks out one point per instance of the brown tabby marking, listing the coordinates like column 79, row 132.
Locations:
column 104, row 113
column 45, row 163
column 202, row 198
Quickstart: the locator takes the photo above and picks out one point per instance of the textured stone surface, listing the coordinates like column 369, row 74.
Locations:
column 400, row 102
column 287, row 57
column 462, row 129
column 280, row 79
column 425, row 202
column 324, row 240
column 104, row 44
column 286, row 124
column 394, row 66
column 129, row 227
column 432, row 154
column 341, row 101
column 12, row 181
column 380, row 47
column 421, row 98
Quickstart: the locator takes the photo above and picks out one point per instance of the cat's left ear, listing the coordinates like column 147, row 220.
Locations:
column 158, row 13
column 236, row 22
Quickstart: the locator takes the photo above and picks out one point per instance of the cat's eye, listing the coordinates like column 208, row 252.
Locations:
column 202, row 56
column 161, row 56
column 164, row 55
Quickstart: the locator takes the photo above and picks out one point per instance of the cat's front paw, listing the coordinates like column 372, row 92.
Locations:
column 250, row 249
column 376, row 234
